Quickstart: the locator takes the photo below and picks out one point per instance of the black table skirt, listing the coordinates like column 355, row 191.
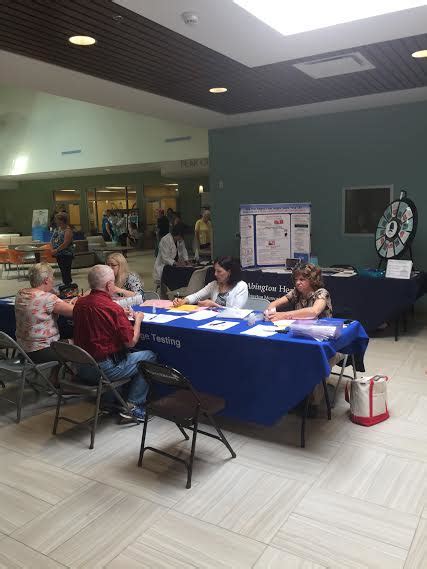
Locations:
column 369, row 300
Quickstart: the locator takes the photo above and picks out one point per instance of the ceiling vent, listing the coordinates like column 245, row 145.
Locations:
column 335, row 65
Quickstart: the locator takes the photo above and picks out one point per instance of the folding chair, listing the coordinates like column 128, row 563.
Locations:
column 71, row 354
column 151, row 295
column 196, row 282
column 184, row 407
column 19, row 365
column 344, row 362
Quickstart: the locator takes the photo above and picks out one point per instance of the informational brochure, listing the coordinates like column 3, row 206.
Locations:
column 163, row 318
column 272, row 233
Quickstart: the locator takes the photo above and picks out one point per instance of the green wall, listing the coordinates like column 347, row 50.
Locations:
column 16, row 206
column 311, row 160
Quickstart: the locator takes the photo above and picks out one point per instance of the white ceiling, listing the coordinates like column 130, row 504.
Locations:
column 228, row 29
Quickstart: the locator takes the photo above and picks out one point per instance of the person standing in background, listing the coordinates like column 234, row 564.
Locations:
column 203, row 235
column 62, row 247
column 107, row 232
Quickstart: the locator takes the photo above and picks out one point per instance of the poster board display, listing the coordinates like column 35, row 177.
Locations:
column 272, row 233
column 40, row 224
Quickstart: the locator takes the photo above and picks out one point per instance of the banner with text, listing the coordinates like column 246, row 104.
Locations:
column 272, row 233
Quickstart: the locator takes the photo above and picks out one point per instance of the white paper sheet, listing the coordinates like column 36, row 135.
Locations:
column 148, row 316
column 261, row 330
column 398, row 269
column 201, row 315
column 234, row 313
column 9, row 300
column 219, row 325
column 163, row 318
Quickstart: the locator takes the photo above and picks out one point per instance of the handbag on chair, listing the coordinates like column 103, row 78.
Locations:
column 368, row 400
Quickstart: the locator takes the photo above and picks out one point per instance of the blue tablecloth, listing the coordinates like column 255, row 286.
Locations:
column 261, row 379
column 371, row 301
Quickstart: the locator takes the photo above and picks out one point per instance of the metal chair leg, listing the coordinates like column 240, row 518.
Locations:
column 95, row 419
column 186, row 437
column 303, row 419
column 58, row 408
column 328, row 403
column 20, row 397
column 343, row 364
column 221, row 434
column 193, row 449
column 353, row 363
column 144, row 434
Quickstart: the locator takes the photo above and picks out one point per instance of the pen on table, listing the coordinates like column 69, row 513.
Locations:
column 217, row 323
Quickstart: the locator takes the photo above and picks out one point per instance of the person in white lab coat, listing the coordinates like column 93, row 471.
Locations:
column 172, row 251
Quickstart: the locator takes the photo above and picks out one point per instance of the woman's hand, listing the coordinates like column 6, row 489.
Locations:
column 274, row 316
column 178, row 302
column 208, row 304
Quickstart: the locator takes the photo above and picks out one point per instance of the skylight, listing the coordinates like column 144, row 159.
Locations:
column 290, row 18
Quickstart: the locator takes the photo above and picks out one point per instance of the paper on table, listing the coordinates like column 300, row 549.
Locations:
column 219, row 325
column 185, row 308
column 148, row 317
column 283, row 323
column 201, row 315
column 261, row 331
column 163, row 318
column 9, row 299
column 158, row 303
column 234, row 313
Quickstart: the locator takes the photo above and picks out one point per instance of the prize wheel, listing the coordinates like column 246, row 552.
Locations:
column 397, row 227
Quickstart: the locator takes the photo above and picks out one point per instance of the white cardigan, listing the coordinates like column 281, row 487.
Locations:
column 237, row 296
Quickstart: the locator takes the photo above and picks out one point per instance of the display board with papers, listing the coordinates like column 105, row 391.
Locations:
column 272, row 233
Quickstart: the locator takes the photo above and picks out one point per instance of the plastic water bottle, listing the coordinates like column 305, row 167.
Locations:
column 251, row 319
column 154, row 311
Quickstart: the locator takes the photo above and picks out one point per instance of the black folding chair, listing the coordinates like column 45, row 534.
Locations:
column 184, row 407
column 70, row 384
column 16, row 363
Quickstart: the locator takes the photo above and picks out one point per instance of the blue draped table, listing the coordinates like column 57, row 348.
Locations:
column 371, row 301
column 261, row 379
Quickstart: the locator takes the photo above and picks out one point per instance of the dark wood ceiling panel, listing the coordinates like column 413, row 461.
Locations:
column 144, row 55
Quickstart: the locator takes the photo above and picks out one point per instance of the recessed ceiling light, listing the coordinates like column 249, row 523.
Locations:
column 218, row 90
column 68, row 190
column 107, row 169
column 115, row 187
column 82, row 40
column 419, row 54
column 290, row 18
column 170, row 184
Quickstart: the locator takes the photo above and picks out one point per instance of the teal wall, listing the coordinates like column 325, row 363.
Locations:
column 16, row 206
column 311, row 160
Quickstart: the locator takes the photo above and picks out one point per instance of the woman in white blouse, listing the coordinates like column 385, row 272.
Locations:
column 226, row 290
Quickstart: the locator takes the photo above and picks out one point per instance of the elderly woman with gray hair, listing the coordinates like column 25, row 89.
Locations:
column 36, row 311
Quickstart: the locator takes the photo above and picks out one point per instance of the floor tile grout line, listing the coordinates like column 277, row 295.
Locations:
column 38, row 552
column 331, row 526
column 412, row 542
column 26, row 493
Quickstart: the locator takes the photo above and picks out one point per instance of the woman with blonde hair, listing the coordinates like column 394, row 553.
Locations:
column 127, row 283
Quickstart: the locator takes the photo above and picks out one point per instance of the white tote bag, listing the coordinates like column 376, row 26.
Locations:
column 368, row 400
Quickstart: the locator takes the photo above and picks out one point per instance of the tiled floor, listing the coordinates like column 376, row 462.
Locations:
column 355, row 497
